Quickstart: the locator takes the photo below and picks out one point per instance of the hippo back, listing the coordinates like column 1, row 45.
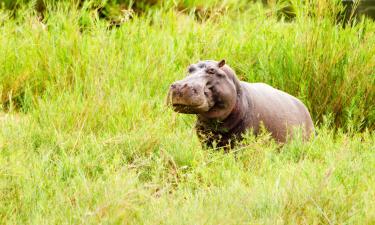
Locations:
column 280, row 112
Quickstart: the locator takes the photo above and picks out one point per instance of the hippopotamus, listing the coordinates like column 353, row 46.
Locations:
column 226, row 107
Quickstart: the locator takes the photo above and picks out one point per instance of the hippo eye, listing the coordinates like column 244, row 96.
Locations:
column 211, row 71
column 191, row 69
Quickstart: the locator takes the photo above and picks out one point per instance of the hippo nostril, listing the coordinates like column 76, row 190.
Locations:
column 195, row 91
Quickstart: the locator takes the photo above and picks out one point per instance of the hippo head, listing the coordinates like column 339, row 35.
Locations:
column 210, row 89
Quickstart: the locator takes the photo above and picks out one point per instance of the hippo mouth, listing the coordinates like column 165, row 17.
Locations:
column 190, row 109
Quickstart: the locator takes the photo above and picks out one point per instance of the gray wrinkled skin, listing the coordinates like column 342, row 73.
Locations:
column 226, row 107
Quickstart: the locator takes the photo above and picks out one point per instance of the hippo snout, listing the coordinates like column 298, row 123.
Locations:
column 184, row 94
column 187, row 98
column 184, row 90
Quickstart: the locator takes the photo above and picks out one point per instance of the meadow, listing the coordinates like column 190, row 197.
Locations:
column 86, row 136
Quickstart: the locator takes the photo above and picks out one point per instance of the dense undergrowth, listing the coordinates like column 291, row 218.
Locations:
column 86, row 137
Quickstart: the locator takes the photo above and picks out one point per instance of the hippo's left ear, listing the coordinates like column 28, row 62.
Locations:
column 221, row 63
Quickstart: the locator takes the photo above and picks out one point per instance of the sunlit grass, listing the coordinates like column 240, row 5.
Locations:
column 86, row 137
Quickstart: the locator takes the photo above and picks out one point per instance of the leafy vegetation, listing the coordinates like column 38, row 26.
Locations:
column 86, row 137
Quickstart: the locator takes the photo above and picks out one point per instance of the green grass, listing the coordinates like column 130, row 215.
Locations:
column 86, row 137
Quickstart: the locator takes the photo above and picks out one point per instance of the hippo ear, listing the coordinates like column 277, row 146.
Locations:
column 221, row 63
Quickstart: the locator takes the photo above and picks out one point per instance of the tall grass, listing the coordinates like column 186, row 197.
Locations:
column 329, row 67
column 85, row 136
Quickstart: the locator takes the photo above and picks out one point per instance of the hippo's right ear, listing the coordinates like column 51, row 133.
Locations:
column 221, row 63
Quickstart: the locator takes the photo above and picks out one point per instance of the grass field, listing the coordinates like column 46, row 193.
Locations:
column 86, row 137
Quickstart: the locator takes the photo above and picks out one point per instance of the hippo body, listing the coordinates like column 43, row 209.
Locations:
column 260, row 103
column 226, row 108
